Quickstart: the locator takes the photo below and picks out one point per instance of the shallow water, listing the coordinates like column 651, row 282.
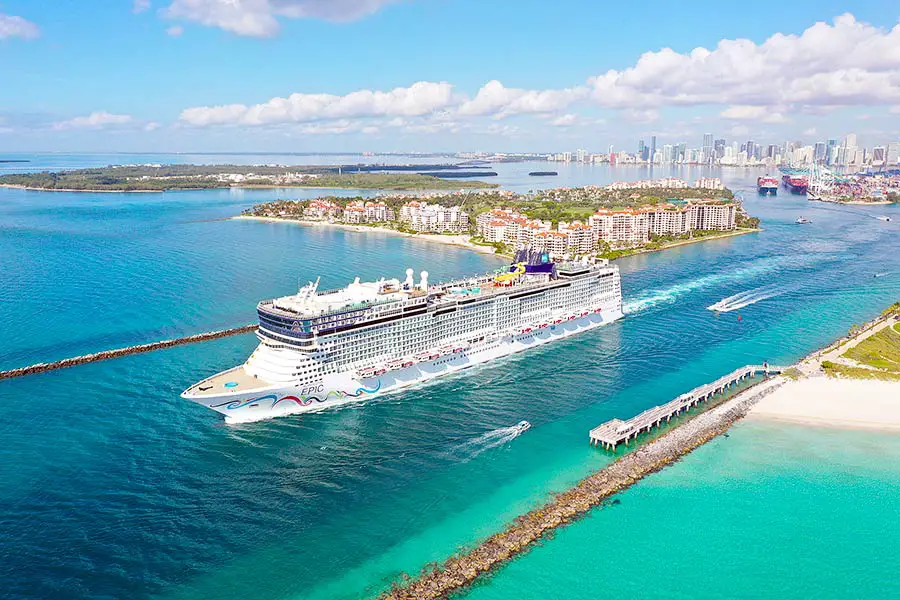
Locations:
column 114, row 487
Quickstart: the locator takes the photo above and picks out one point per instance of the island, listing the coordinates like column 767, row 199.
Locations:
column 160, row 178
column 607, row 222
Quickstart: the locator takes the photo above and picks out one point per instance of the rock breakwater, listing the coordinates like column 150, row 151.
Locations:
column 463, row 569
column 108, row 354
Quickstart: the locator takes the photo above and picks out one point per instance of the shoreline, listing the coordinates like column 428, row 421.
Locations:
column 520, row 535
column 843, row 403
column 679, row 243
column 464, row 240
column 853, row 202
column 17, row 186
column 460, row 240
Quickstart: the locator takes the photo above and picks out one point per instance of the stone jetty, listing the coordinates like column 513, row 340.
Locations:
column 459, row 571
column 108, row 354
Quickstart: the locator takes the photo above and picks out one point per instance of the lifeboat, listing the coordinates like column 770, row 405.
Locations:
column 526, row 330
column 584, row 314
column 557, row 321
column 380, row 371
column 542, row 325
column 596, row 310
column 406, row 363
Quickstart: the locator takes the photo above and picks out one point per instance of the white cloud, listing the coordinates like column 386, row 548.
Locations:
column 260, row 18
column 839, row 64
column 495, row 99
column 894, row 110
column 740, row 131
column 754, row 113
column 810, row 132
column 152, row 126
column 175, row 30
column 419, row 99
column 641, row 116
column 95, row 120
column 565, row 120
column 140, row 6
column 12, row 27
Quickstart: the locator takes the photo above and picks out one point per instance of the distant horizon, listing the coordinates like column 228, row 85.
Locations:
column 310, row 76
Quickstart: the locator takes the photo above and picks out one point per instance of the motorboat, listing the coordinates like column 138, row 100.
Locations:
column 802, row 221
column 883, row 218
column 523, row 426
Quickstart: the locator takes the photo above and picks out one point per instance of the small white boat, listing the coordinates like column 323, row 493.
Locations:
column 883, row 218
column 802, row 221
column 523, row 426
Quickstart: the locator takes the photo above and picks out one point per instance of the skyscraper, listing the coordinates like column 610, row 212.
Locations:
column 652, row 148
column 819, row 152
column 707, row 146
column 720, row 148
column 831, row 152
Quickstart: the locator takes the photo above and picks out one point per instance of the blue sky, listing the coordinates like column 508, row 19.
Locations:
column 423, row 75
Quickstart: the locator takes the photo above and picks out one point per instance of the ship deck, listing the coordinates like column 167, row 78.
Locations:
column 233, row 381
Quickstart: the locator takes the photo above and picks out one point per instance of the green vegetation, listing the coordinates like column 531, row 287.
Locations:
column 881, row 351
column 793, row 373
column 845, row 372
column 663, row 242
column 159, row 178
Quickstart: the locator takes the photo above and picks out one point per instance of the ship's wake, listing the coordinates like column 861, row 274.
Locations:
column 670, row 295
column 746, row 298
column 492, row 439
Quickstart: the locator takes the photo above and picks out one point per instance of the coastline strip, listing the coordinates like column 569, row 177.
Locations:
column 462, row 570
column 119, row 352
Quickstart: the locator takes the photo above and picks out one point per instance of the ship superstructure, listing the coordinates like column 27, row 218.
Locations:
column 322, row 348
column 767, row 186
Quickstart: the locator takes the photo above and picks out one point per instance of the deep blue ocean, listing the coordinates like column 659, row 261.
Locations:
column 114, row 487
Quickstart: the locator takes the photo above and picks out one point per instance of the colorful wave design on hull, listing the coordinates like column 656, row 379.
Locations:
column 303, row 400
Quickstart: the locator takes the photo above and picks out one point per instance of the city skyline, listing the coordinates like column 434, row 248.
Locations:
column 833, row 152
column 358, row 75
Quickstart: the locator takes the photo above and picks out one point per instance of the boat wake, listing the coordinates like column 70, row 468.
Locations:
column 885, row 274
column 670, row 295
column 746, row 298
column 492, row 439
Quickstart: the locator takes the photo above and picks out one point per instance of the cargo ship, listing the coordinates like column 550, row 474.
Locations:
column 319, row 349
column 767, row 186
column 796, row 185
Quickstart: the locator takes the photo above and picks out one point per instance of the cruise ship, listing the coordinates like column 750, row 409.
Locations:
column 319, row 349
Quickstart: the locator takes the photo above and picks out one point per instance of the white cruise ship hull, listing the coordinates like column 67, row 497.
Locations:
column 338, row 389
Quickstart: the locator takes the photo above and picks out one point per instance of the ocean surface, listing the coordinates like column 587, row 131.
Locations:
column 114, row 487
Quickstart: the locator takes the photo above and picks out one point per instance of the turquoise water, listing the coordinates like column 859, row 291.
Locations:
column 113, row 487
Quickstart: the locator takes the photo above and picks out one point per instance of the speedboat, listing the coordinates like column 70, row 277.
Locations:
column 523, row 426
column 802, row 221
column 883, row 218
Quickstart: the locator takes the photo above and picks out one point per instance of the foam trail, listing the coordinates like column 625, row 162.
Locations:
column 885, row 274
column 744, row 299
column 669, row 295
column 492, row 439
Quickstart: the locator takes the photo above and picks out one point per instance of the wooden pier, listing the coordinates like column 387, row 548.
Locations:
column 615, row 432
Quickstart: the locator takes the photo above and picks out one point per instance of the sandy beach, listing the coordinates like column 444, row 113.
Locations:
column 462, row 241
column 821, row 401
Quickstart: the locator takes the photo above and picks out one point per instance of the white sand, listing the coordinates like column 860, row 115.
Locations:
column 853, row 403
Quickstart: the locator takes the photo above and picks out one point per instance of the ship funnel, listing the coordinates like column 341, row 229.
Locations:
column 423, row 283
column 408, row 282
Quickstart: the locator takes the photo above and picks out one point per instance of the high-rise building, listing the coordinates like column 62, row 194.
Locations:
column 819, row 152
column 879, row 153
column 771, row 151
column 640, row 151
column 750, row 149
column 831, row 152
column 719, row 146
column 707, row 146
column 893, row 154
column 652, row 148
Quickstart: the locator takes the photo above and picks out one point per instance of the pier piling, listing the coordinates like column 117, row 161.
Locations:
column 614, row 432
